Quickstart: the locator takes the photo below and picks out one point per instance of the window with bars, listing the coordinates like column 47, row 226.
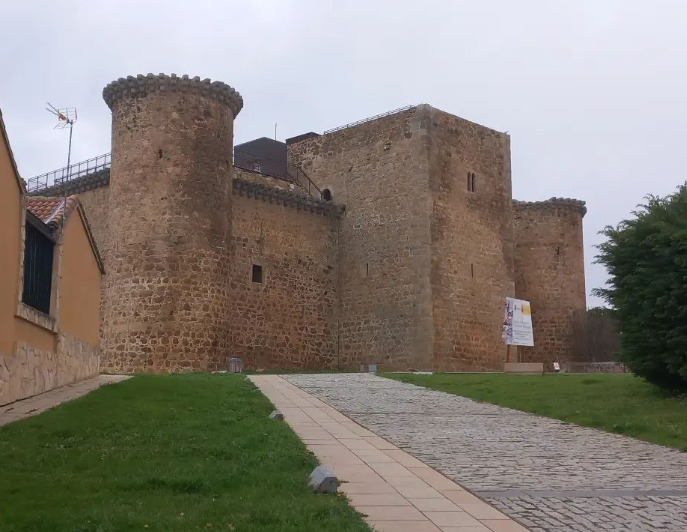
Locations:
column 38, row 262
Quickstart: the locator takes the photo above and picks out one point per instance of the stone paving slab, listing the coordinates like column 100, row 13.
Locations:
column 550, row 475
column 32, row 406
column 394, row 491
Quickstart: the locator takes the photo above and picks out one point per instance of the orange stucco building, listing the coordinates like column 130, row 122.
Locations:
column 50, row 273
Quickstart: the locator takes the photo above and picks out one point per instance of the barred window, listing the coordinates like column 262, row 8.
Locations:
column 38, row 260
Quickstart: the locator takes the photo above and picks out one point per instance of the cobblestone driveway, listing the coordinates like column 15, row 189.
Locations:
column 549, row 475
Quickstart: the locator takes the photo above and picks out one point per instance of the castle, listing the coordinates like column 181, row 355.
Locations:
column 394, row 240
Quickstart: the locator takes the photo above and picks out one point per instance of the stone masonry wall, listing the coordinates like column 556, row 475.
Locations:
column 257, row 177
column 166, row 296
column 411, row 274
column 594, row 367
column 549, row 272
column 96, row 206
column 472, row 242
column 32, row 371
column 379, row 169
column 289, row 320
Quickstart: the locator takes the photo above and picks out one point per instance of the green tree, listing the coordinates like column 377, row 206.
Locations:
column 646, row 258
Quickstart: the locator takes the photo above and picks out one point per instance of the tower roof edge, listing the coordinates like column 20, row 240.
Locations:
column 141, row 85
column 553, row 203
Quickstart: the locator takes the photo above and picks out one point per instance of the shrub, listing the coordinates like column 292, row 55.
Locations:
column 646, row 258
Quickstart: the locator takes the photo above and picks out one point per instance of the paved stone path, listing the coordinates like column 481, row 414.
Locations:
column 549, row 475
column 394, row 491
column 39, row 403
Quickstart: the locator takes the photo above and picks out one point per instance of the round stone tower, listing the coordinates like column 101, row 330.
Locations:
column 166, row 294
column 549, row 272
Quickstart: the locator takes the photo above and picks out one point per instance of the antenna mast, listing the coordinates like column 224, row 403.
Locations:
column 65, row 118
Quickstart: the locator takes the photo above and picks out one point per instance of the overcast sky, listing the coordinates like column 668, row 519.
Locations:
column 593, row 93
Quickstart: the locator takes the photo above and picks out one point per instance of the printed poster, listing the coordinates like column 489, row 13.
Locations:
column 517, row 322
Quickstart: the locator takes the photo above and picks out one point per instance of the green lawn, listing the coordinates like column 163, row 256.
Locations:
column 165, row 453
column 623, row 404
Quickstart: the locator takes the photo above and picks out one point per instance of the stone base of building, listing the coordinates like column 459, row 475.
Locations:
column 594, row 367
column 31, row 371
column 531, row 368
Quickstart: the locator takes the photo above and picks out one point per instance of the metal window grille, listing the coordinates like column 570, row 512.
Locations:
column 38, row 259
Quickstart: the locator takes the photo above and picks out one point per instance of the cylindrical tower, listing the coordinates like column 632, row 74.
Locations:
column 166, row 294
column 549, row 272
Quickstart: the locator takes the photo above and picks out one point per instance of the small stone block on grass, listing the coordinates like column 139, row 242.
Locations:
column 323, row 480
column 276, row 414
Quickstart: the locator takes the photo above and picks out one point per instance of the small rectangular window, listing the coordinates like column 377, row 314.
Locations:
column 471, row 181
column 257, row 273
column 38, row 259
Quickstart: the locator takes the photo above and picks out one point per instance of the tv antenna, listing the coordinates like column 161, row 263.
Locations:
column 66, row 118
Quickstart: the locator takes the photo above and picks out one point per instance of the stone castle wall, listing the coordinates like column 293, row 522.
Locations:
column 265, row 180
column 594, row 367
column 472, row 242
column 96, row 204
column 166, row 295
column 289, row 320
column 549, row 269
column 379, row 171
column 411, row 273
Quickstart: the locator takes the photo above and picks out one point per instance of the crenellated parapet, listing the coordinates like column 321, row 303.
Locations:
column 553, row 204
column 288, row 198
column 138, row 86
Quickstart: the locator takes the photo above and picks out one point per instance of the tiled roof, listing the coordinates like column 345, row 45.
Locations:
column 51, row 211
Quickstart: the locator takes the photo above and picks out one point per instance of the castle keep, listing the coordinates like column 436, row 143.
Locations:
column 392, row 241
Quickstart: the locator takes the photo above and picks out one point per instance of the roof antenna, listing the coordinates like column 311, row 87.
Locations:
column 65, row 118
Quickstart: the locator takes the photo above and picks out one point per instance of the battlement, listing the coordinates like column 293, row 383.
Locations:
column 288, row 198
column 141, row 85
column 552, row 204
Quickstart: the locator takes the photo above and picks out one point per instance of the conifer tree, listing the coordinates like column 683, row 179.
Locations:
column 646, row 258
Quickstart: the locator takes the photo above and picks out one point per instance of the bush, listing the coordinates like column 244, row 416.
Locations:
column 646, row 258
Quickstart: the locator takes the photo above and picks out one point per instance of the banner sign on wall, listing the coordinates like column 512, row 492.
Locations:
column 517, row 322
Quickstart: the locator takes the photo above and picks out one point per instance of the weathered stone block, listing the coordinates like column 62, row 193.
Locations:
column 524, row 367
column 323, row 480
column 32, row 371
